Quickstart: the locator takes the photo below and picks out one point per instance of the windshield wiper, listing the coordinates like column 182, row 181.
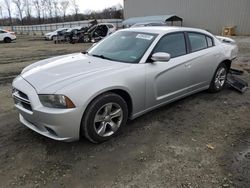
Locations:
column 100, row 56
column 85, row 52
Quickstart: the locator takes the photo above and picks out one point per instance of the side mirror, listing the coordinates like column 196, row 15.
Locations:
column 161, row 57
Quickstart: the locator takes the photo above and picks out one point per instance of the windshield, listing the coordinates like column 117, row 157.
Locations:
column 61, row 29
column 124, row 46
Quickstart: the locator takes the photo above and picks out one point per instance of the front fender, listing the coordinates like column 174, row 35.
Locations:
column 132, row 81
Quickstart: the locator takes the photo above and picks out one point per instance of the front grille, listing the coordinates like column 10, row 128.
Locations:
column 21, row 99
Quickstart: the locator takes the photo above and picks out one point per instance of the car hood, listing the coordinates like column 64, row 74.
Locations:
column 48, row 34
column 56, row 73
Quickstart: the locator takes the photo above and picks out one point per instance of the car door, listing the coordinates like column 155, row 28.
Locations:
column 203, row 60
column 2, row 34
column 167, row 81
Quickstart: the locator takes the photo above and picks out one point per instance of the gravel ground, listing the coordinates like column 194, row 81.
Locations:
column 200, row 141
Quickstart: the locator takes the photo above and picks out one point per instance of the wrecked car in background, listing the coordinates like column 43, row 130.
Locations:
column 52, row 35
column 98, row 32
column 126, row 75
column 93, row 33
column 74, row 32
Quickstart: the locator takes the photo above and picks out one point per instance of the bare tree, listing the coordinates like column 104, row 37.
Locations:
column 37, row 6
column 55, row 7
column 44, row 9
column 8, row 7
column 1, row 14
column 49, row 5
column 64, row 5
column 75, row 8
column 19, row 6
column 1, row 11
column 27, row 9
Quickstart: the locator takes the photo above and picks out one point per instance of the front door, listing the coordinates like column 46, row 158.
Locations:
column 168, row 80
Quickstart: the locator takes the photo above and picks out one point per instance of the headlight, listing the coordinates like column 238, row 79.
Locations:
column 56, row 101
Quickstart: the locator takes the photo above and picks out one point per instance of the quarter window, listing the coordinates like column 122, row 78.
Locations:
column 209, row 41
column 174, row 44
column 197, row 41
column 110, row 26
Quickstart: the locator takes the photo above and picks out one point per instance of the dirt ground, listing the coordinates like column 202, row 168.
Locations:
column 200, row 141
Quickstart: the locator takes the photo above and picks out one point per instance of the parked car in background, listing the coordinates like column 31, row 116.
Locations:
column 127, row 74
column 146, row 24
column 51, row 35
column 7, row 36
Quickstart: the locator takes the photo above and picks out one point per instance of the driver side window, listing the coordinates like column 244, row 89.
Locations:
column 174, row 44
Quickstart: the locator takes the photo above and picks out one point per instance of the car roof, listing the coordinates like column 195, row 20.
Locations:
column 62, row 28
column 72, row 28
column 149, row 23
column 165, row 29
column 105, row 24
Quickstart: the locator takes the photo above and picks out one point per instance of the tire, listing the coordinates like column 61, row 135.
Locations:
column 86, row 39
column 98, row 125
column 219, row 79
column 7, row 40
column 53, row 37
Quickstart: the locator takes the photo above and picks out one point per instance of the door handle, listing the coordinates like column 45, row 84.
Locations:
column 188, row 65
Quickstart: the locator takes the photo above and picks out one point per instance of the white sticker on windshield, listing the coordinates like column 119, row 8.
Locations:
column 144, row 36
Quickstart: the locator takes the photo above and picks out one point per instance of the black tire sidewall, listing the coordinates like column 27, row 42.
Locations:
column 212, row 87
column 7, row 40
column 88, row 129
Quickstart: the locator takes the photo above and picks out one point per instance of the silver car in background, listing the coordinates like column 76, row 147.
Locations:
column 129, row 73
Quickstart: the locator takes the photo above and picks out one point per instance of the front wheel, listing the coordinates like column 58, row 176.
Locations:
column 53, row 38
column 219, row 79
column 104, row 117
column 7, row 40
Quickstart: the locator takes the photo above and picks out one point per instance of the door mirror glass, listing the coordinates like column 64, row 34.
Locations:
column 161, row 57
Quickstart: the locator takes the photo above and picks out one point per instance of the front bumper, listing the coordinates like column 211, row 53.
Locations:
column 47, row 37
column 57, row 124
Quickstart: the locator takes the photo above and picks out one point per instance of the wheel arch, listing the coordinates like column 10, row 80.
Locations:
column 122, row 92
column 7, row 37
column 126, row 96
column 228, row 63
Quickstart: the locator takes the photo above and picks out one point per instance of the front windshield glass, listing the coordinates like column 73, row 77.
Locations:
column 124, row 46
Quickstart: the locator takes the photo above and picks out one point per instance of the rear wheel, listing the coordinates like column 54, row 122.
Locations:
column 219, row 79
column 104, row 117
column 7, row 40
column 86, row 39
column 53, row 38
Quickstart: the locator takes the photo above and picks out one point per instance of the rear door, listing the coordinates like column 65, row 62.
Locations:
column 203, row 60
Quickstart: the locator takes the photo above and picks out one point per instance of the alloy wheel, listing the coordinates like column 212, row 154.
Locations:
column 220, row 77
column 108, row 119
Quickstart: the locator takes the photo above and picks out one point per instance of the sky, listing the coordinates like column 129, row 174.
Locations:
column 97, row 4
column 84, row 5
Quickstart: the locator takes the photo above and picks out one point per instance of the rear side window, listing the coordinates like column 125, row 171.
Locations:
column 1, row 31
column 197, row 41
column 209, row 42
column 174, row 44
column 110, row 26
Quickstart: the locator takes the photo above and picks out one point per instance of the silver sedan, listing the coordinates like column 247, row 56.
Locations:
column 131, row 72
